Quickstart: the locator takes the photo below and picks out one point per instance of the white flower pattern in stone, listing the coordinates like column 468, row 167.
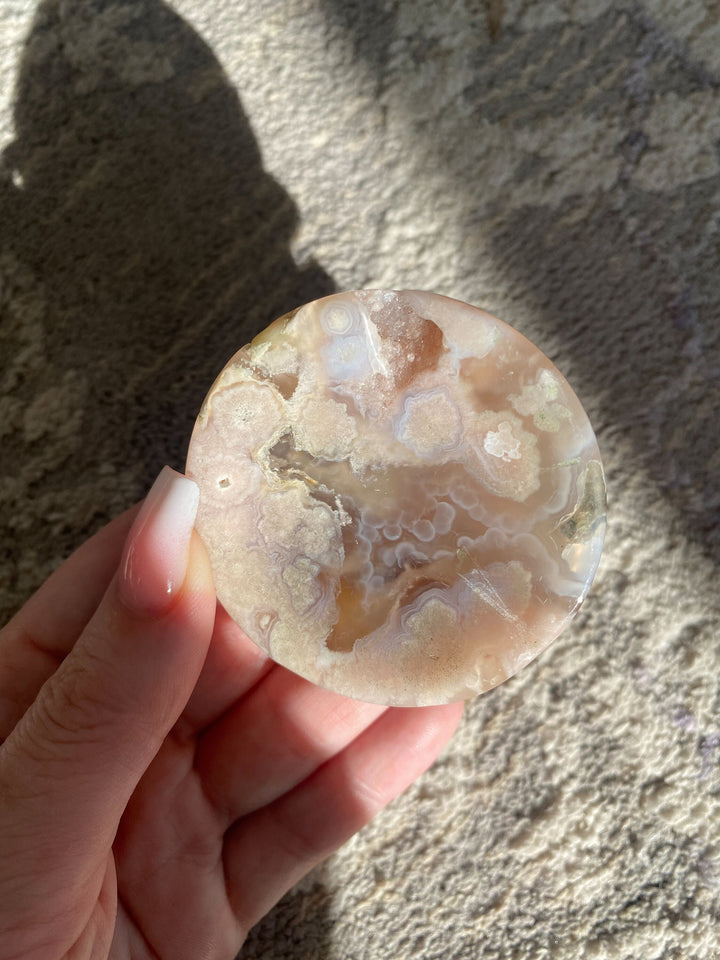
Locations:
column 502, row 443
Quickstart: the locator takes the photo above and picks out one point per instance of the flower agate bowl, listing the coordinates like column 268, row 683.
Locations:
column 401, row 496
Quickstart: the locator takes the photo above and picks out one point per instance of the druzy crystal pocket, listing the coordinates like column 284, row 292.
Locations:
column 401, row 496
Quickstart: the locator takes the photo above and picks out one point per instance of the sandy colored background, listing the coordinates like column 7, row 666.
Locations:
column 174, row 177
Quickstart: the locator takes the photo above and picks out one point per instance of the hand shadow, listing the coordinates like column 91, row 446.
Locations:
column 135, row 201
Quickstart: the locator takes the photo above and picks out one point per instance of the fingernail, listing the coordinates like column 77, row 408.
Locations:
column 156, row 552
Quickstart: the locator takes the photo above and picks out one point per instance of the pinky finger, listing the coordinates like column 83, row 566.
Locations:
column 270, row 850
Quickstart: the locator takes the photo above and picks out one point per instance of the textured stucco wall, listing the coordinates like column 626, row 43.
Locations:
column 175, row 177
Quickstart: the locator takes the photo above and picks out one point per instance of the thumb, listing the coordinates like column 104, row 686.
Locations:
column 70, row 766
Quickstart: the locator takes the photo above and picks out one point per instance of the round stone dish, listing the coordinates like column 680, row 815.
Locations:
column 402, row 498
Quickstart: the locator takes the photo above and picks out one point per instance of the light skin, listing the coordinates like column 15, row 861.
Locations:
column 162, row 782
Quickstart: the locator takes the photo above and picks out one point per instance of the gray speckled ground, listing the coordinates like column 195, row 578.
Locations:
column 174, row 178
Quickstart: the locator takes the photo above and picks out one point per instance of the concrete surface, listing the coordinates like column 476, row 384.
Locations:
column 174, row 177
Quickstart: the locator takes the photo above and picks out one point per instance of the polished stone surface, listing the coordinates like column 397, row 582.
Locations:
column 401, row 496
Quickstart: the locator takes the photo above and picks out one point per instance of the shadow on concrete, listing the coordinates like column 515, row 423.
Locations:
column 135, row 192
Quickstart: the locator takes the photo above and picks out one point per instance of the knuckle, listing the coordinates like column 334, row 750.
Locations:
column 299, row 843
column 72, row 707
column 369, row 796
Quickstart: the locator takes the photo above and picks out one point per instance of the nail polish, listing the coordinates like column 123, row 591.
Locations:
column 155, row 557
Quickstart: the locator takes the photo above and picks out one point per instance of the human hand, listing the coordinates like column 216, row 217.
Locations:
column 162, row 782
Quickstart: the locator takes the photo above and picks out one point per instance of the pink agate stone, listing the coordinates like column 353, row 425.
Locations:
column 401, row 496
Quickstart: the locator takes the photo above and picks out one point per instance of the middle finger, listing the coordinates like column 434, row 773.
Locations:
column 274, row 738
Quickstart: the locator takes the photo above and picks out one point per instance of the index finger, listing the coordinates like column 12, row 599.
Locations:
column 42, row 633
